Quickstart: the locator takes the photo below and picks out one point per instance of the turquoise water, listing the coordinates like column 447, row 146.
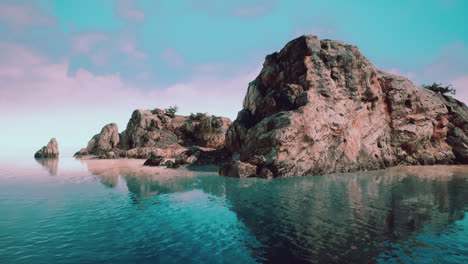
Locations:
column 104, row 211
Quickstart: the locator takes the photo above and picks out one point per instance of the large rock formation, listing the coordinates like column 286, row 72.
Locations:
column 319, row 106
column 50, row 151
column 152, row 132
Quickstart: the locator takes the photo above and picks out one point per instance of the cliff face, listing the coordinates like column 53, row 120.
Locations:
column 319, row 106
column 153, row 132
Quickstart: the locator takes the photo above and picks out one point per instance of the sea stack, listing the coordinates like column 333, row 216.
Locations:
column 319, row 106
column 50, row 151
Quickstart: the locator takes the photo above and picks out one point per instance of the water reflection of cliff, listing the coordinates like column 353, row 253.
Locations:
column 145, row 182
column 348, row 218
column 50, row 164
column 339, row 218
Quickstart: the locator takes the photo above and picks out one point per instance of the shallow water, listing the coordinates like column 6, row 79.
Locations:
column 108, row 211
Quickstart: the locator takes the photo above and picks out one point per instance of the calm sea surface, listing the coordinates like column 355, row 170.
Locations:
column 116, row 211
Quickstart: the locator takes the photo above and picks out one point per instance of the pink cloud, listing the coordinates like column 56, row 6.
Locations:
column 450, row 63
column 127, row 10
column 42, row 85
column 173, row 58
column 143, row 76
column 461, row 85
column 83, row 43
column 409, row 75
column 130, row 48
column 23, row 15
column 36, row 92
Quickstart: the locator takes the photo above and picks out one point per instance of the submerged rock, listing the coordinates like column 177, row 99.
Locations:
column 49, row 151
column 171, row 164
column 238, row 169
column 154, row 160
column 319, row 106
column 201, row 157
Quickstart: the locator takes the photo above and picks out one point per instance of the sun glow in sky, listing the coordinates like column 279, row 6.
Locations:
column 69, row 67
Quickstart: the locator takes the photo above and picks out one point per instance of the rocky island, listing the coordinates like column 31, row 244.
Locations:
column 319, row 107
column 154, row 133
column 50, row 151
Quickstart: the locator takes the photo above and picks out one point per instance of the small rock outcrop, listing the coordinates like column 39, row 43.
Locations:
column 50, row 151
column 154, row 160
column 200, row 157
column 319, row 106
column 105, row 141
column 152, row 132
column 171, row 164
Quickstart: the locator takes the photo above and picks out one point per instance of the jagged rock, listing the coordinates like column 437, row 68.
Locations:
column 81, row 152
column 147, row 129
column 49, row 151
column 172, row 165
column 257, row 160
column 199, row 157
column 171, row 151
column 319, row 106
column 154, row 160
column 152, row 131
column 209, row 132
column 111, row 155
column 103, row 142
column 265, row 173
column 238, row 169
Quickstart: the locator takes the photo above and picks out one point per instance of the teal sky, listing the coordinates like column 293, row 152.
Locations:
column 67, row 58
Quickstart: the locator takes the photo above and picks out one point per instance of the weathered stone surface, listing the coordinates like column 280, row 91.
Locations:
column 154, row 160
column 147, row 129
column 81, row 152
column 172, row 165
column 265, row 173
column 209, row 132
column 152, row 131
column 105, row 141
column 200, row 157
column 171, row 151
column 319, row 106
column 257, row 160
column 238, row 169
column 49, row 151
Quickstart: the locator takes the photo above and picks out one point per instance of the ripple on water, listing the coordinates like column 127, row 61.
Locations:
column 125, row 214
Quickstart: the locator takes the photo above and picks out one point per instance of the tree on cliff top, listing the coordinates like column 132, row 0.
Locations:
column 438, row 88
column 171, row 111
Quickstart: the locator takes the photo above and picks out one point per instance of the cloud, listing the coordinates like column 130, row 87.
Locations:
column 42, row 86
column 130, row 48
column 461, row 85
column 83, row 43
column 396, row 71
column 173, row 58
column 127, row 10
column 451, row 63
column 23, row 15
